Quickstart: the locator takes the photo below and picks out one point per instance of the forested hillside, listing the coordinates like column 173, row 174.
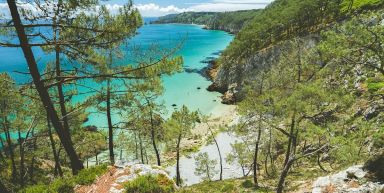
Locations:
column 280, row 21
column 309, row 75
column 231, row 22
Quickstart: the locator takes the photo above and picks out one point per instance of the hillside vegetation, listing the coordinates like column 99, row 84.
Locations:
column 310, row 73
column 284, row 19
column 231, row 22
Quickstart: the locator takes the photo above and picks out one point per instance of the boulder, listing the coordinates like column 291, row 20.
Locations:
column 351, row 180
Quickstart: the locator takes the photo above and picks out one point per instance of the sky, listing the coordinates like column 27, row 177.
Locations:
column 156, row 8
column 164, row 7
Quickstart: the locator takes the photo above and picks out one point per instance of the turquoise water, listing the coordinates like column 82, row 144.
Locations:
column 180, row 89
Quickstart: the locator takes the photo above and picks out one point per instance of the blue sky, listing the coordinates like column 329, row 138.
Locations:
column 164, row 7
column 155, row 8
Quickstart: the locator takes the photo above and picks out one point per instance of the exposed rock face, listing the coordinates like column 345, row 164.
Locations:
column 122, row 172
column 243, row 73
column 350, row 180
column 374, row 109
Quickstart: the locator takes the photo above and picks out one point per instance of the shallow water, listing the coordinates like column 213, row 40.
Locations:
column 187, row 164
column 180, row 89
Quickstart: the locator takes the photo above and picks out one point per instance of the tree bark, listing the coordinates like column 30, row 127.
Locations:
column 10, row 147
column 2, row 145
column 97, row 160
column 284, row 173
column 32, row 166
column 63, row 134
column 57, row 170
column 291, row 133
column 153, row 137
column 218, row 150
column 110, row 125
column 207, row 168
column 146, row 155
column 136, row 146
column 178, row 179
column 22, row 160
column 141, row 149
column 256, row 155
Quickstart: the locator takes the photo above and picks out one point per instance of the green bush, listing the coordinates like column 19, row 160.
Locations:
column 247, row 184
column 373, row 87
column 67, row 184
column 150, row 184
column 57, row 186
column 40, row 188
column 62, row 186
column 88, row 176
column 228, row 188
column 375, row 166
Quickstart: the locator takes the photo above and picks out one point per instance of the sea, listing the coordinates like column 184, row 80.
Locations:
column 185, row 88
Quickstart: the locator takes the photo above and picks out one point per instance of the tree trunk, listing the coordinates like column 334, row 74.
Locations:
column 22, row 163
column 136, row 147
column 243, row 169
column 291, row 133
column 63, row 134
column 32, row 166
column 110, row 125
column 289, row 159
column 256, row 155
column 57, row 170
column 153, row 138
column 178, row 179
column 141, row 149
column 284, row 173
column 208, row 175
column 218, row 150
column 146, row 155
column 2, row 145
column 10, row 147
column 97, row 160
column 318, row 158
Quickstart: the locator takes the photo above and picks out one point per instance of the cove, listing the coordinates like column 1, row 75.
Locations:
column 180, row 89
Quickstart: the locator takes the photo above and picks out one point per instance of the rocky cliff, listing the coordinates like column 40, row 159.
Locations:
column 230, row 78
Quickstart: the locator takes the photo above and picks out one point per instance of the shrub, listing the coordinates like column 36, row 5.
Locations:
column 228, row 188
column 150, row 184
column 40, row 188
column 62, row 186
column 88, row 176
column 247, row 184
column 375, row 166
column 57, row 186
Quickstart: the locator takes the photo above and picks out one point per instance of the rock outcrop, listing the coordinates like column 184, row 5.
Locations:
column 240, row 74
column 351, row 180
column 113, row 181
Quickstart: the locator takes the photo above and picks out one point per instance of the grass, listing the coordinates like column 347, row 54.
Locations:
column 375, row 84
column 150, row 184
column 361, row 4
column 67, row 183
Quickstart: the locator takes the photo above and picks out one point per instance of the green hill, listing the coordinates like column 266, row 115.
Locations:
column 231, row 22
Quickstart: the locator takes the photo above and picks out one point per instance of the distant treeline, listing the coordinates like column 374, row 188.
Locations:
column 231, row 22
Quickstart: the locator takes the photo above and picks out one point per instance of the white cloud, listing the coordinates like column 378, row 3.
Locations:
column 221, row 7
column 244, row 1
column 230, row 5
column 152, row 9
